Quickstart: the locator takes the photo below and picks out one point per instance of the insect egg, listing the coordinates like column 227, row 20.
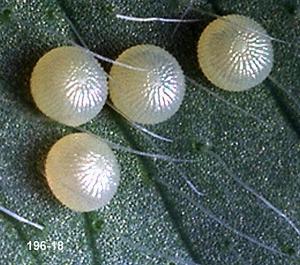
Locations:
column 82, row 172
column 151, row 95
column 235, row 53
column 69, row 85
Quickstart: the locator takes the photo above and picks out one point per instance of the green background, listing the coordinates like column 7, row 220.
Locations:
column 155, row 218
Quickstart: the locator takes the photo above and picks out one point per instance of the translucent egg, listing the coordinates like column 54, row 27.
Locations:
column 235, row 53
column 69, row 85
column 151, row 95
column 82, row 172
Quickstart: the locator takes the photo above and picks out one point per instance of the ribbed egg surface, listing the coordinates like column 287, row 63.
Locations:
column 235, row 53
column 150, row 95
column 82, row 172
column 69, row 85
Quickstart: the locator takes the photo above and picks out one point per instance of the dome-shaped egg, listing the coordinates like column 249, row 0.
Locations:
column 151, row 95
column 69, row 85
column 235, row 53
column 82, row 172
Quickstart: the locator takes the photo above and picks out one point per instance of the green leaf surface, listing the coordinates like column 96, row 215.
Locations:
column 244, row 162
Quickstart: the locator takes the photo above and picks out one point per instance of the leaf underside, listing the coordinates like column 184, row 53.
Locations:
column 156, row 218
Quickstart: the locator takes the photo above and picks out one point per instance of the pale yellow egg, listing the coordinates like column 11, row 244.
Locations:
column 82, row 172
column 235, row 53
column 69, row 85
column 151, row 95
